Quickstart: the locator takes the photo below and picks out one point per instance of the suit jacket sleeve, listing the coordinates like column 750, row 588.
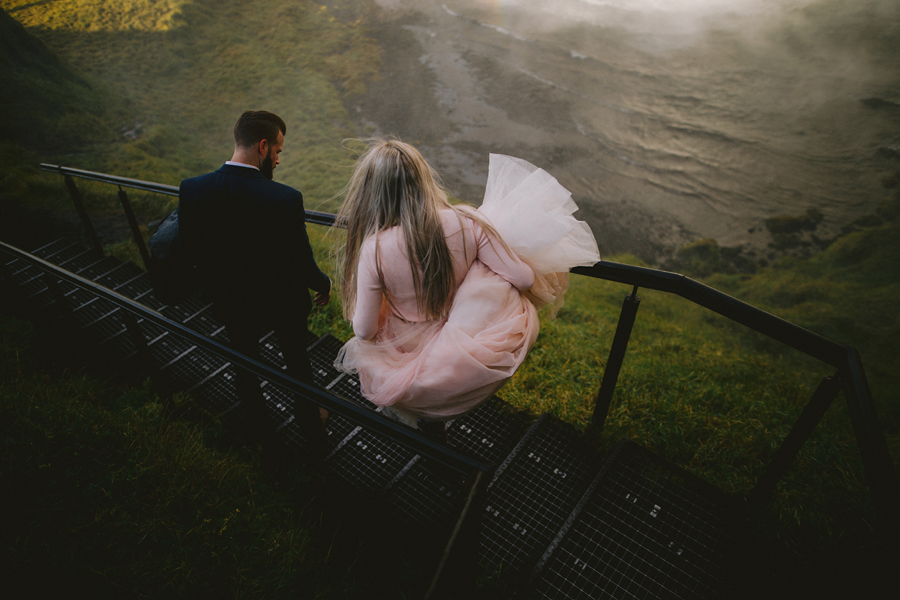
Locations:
column 302, row 250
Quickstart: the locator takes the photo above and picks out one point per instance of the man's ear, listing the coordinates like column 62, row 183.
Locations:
column 263, row 147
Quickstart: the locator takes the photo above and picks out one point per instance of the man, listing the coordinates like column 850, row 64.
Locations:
column 247, row 236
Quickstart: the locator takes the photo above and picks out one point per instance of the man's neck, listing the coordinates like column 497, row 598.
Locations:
column 238, row 163
column 245, row 156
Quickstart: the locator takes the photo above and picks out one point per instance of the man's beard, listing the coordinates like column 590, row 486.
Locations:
column 267, row 168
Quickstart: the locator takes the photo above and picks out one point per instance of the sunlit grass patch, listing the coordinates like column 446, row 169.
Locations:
column 170, row 97
column 97, row 15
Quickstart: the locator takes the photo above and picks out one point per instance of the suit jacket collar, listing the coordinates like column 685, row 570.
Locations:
column 245, row 171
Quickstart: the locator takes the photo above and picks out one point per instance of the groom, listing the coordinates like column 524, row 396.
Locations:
column 247, row 236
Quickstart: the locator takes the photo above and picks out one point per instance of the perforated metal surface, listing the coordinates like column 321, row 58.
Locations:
column 120, row 342
column 100, row 268
column 639, row 529
column 648, row 530
column 76, row 297
column 321, row 357
column 165, row 351
column 80, row 262
column 184, row 311
column 488, row 432
column 217, row 392
column 270, row 351
column 533, row 495
column 55, row 246
column 192, row 366
column 368, row 462
column 279, row 402
column 151, row 331
column 65, row 253
column 32, row 286
column 347, row 387
column 16, row 265
column 135, row 287
column 121, row 274
column 424, row 495
column 207, row 324
column 337, row 430
column 103, row 322
column 93, row 311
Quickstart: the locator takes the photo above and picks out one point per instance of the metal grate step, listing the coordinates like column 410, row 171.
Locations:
column 423, row 495
column 645, row 529
column 637, row 528
column 532, row 495
column 52, row 249
column 418, row 493
column 489, row 432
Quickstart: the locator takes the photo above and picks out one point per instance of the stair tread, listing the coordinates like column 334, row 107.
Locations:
column 638, row 526
column 530, row 500
column 648, row 529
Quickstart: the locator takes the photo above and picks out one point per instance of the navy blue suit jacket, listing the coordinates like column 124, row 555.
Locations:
column 247, row 236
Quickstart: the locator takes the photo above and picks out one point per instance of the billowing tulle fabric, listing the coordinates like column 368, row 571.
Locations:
column 532, row 212
column 443, row 369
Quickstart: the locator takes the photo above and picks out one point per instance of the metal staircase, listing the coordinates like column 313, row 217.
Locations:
column 552, row 514
column 530, row 501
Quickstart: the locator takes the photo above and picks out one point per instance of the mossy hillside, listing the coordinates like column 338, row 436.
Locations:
column 43, row 99
column 843, row 293
column 172, row 89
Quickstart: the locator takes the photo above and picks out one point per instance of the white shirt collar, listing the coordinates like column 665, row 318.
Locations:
column 237, row 164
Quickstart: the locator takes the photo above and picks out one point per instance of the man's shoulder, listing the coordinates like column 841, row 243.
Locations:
column 282, row 188
column 199, row 180
column 241, row 176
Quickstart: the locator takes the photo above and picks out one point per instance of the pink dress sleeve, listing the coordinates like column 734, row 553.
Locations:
column 368, row 294
column 505, row 264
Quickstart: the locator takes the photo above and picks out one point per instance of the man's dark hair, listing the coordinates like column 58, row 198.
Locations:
column 255, row 125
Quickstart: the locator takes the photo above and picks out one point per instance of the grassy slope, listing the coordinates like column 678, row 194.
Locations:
column 113, row 492
column 172, row 90
column 694, row 388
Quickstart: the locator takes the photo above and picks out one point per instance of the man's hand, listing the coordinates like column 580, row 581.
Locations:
column 321, row 299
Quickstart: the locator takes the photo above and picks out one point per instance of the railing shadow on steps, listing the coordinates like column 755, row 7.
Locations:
column 849, row 376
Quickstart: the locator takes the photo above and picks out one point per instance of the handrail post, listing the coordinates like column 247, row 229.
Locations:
column 616, row 358
column 876, row 459
column 460, row 555
column 812, row 413
column 135, row 230
column 82, row 212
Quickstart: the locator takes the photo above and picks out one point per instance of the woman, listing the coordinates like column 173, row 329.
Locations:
column 443, row 298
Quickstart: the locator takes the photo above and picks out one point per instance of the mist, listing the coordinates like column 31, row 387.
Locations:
column 660, row 24
column 669, row 121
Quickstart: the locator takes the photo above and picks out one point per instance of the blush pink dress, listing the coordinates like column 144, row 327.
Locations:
column 441, row 369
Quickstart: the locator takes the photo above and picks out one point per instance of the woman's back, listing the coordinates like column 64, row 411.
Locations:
column 465, row 239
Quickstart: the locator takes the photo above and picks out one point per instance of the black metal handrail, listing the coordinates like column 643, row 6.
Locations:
column 147, row 186
column 410, row 438
column 850, row 376
column 757, row 319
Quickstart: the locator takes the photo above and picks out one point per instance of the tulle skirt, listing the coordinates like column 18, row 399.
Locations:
column 442, row 369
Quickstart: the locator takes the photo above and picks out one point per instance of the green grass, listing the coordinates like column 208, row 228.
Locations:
column 168, row 92
column 113, row 491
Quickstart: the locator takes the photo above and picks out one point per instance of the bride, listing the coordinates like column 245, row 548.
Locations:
column 443, row 298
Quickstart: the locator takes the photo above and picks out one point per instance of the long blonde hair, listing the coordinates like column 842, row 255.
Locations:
column 393, row 185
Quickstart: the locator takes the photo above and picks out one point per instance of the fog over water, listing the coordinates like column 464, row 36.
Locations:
column 670, row 120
